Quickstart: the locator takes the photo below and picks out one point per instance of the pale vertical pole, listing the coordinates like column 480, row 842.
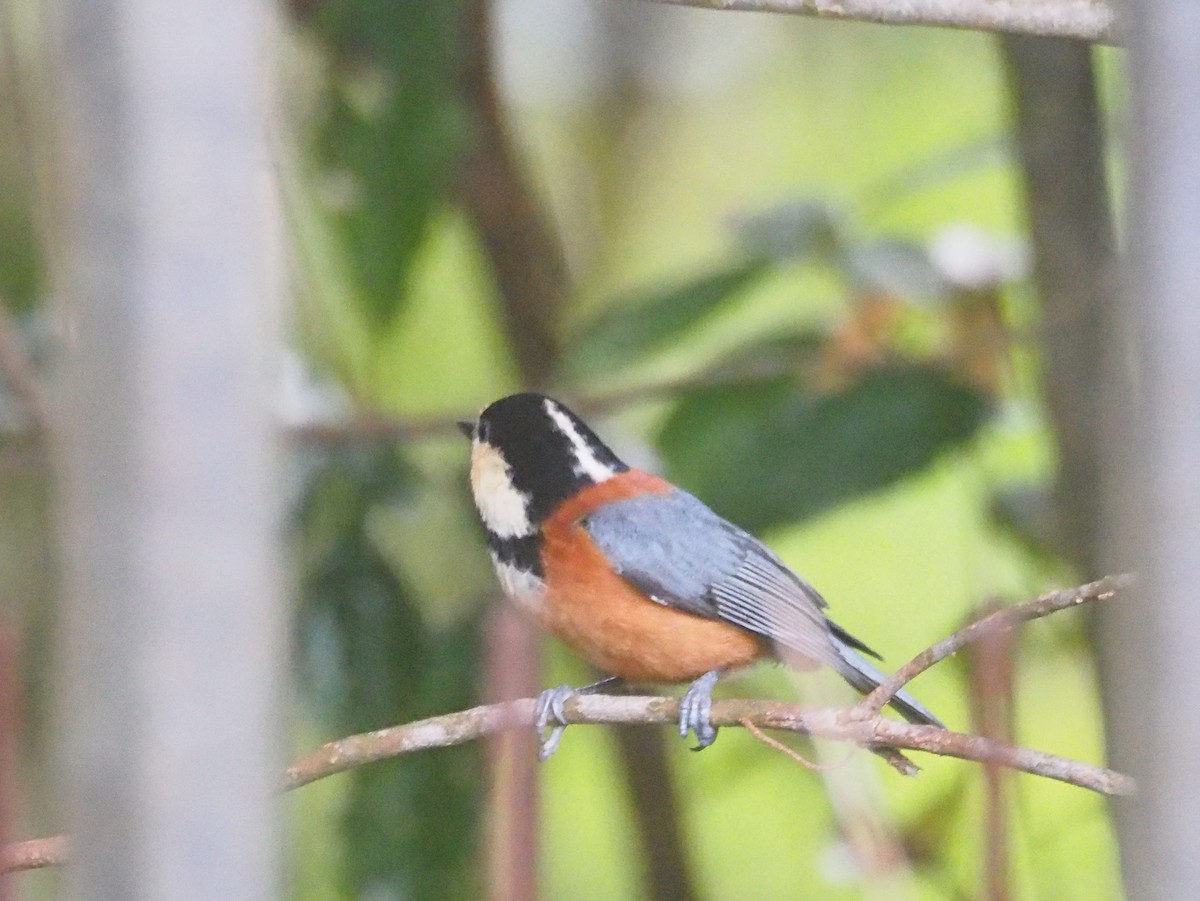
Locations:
column 1153, row 444
column 173, row 635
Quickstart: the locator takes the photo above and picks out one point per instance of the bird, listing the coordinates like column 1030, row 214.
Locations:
column 638, row 576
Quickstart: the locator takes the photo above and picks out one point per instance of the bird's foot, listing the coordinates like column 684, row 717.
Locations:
column 550, row 719
column 695, row 710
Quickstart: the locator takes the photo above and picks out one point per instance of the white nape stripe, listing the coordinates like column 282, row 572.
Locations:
column 586, row 462
column 504, row 509
column 523, row 588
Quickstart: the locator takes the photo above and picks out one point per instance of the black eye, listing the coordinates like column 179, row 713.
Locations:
column 483, row 430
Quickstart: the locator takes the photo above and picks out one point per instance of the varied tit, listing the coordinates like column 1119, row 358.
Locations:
column 638, row 576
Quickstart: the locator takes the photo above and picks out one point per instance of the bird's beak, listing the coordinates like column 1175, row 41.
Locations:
column 467, row 427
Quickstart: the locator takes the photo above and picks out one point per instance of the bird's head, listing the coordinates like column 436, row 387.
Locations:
column 529, row 453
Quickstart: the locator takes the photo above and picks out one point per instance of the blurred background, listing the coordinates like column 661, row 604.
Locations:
column 841, row 281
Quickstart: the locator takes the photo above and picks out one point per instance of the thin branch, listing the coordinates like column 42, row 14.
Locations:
column 383, row 429
column 526, row 254
column 847, row 724
column 860, row 725
column 1084, row 20
column 372, row 430
column 1000, row 620
column 748, row 725
column 33, row 854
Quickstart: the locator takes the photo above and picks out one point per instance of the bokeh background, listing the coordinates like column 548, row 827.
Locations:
column 836, row 279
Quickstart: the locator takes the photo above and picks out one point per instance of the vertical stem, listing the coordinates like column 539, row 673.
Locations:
column 1061, row 147
column 991, row 680
column 511, row 671
column 172, row 635
column 656, row 813
column 524, row 252
column 1153, row 464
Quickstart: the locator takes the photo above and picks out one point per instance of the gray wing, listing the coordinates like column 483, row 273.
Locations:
column 682, row 554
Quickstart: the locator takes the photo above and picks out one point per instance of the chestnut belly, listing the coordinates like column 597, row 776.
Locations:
column 622, row 631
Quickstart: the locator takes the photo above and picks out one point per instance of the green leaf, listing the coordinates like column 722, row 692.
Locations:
column 774, row 453
column 21, row 263
column 389, row 132
column 780, row 354
column 633, row 330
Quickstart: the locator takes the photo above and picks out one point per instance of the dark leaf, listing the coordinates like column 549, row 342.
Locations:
column 632, row 330
column 21, row 261
column 774, row 453
column 389, row 132
column 765, row 359
column 371, row 661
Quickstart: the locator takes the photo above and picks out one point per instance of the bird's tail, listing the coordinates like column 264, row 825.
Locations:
column 860, row 673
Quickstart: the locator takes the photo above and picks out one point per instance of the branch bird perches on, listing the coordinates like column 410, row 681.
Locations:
column 861, row 725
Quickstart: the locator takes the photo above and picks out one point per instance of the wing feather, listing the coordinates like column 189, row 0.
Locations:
column 678, row 551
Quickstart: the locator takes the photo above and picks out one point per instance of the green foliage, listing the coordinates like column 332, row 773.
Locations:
column 373, row 662
column 758, row 440
column 810, row 451
column 20, row 255
column 810, row 230
column 630, row 331
column 391, row 128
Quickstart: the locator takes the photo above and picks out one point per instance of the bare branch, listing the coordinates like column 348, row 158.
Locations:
column 33, row 854
column 835, row 723
column 1084, row 20
column 848, row 724
column 861, row 725
column 1000, row 620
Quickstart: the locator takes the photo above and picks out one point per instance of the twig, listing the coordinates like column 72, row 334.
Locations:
column 1084, row 20
column 372, row 430
column 383, row 429
column 748, row 725
column 1002, row 619
column 33, row 854
column 860, row 725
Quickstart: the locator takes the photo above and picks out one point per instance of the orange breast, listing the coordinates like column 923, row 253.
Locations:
column 610, row 622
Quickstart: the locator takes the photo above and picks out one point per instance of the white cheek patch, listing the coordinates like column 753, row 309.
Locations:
column 523, row 588
column 586, row 461
column 504, row 509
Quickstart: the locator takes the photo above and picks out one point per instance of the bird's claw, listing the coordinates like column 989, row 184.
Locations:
column 695, row 711
column 550, row 720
